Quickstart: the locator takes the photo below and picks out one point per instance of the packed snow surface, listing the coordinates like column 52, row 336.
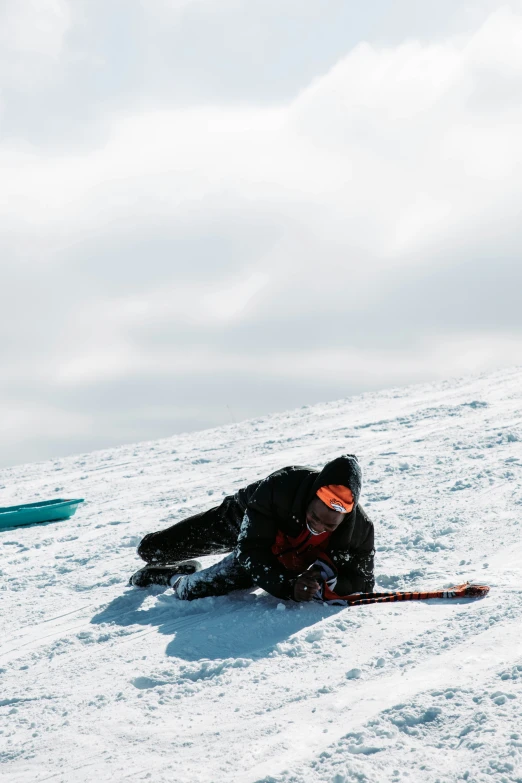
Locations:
column 102, row 682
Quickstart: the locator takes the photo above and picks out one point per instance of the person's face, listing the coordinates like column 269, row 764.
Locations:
column 322, row 519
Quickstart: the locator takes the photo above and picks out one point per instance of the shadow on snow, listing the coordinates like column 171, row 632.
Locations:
column 243, row 624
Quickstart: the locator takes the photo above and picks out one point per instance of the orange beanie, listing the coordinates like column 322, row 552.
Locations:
column 337, row 497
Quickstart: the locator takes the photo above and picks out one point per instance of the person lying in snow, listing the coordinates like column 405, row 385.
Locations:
column 294, row 534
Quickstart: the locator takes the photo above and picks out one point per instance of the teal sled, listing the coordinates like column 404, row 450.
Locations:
column 45, row 511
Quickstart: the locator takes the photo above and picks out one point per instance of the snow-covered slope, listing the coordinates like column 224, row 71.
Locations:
column 100, row 682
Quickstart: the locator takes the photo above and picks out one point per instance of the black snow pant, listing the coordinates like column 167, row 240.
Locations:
column 213, row 532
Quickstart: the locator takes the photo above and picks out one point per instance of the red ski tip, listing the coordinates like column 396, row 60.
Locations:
column 469, row 590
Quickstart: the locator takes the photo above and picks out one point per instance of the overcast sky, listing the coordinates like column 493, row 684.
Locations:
column 216, row 209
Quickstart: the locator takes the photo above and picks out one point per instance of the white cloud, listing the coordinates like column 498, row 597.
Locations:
column 32, row 34
column 34, row 26
column 280, row 242
column 386, row 147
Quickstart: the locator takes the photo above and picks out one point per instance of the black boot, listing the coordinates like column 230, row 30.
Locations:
column 162, row 574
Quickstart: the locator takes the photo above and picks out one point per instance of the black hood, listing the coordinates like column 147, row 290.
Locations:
column 343, row 470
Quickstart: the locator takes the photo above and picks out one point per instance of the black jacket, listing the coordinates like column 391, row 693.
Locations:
column 279, row 503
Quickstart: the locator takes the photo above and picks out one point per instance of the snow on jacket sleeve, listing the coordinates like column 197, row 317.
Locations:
column 254, row 545
column 355, row 563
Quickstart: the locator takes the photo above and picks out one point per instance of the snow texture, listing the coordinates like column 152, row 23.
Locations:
column 101, row 682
